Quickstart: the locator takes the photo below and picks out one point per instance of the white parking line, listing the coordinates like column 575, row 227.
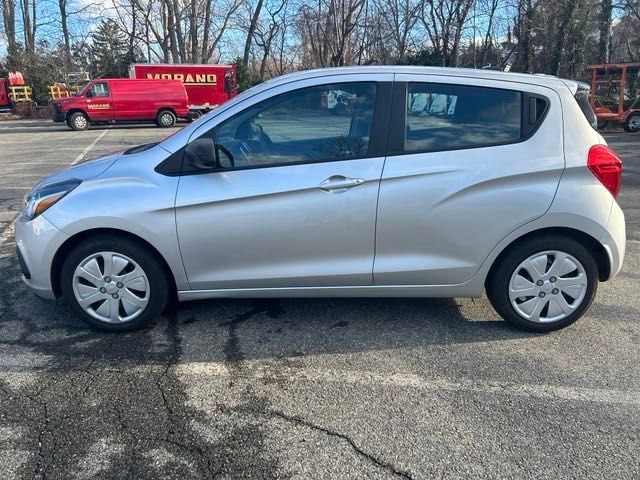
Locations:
column 404, row 380
column 80, row 157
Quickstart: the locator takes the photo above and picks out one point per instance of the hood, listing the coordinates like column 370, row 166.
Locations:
column 62, row 101
column 82, row 171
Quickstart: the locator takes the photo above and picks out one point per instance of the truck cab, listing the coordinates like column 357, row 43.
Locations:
column 123, row 100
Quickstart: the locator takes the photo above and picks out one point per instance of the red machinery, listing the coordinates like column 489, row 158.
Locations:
column 614, row 94
column 13, row 90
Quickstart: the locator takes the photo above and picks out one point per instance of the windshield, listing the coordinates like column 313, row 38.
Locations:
column 83, row 90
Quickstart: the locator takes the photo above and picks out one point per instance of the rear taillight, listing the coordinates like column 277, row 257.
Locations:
column 606, row 167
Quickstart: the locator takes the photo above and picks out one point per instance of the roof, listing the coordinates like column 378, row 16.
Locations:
column 528, row 78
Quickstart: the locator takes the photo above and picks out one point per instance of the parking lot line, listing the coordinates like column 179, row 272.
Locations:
column 89, row 147
column 543, row 391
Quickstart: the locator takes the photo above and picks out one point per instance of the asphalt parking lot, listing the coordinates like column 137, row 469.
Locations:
column 324, row 388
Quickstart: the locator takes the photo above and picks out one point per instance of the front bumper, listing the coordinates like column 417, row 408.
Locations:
column 37, row 242
column 59, row 117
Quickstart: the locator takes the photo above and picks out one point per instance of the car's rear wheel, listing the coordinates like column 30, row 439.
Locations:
column 544, row 284
column 166, row 119
column 113, row 283
column 78, row 121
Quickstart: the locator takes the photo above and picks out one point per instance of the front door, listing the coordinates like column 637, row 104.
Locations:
column 99, row 102
column 293, row 202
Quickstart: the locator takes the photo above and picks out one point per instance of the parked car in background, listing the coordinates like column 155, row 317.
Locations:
column 124, row 100
column 207, row 86
column 504, row 187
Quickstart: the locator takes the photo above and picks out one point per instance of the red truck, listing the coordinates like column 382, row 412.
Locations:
column 116, row 99
column 5, row 104
column 207, row 85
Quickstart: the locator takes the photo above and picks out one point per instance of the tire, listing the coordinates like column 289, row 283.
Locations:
column 165, row 119
column 562, row 309
column 632, row 123
column 602, row 124
column 139, row 298
column 194, row 115
column 78, row 121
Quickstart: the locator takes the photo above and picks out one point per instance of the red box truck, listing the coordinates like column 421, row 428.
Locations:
column 122, row 99
column 207, row 85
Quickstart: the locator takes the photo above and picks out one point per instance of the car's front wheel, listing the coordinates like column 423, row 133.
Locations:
column 544, row 284
column 78, row 121
column 114, row 283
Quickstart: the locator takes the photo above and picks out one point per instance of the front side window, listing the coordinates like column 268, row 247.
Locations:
column 445, row 117
column 314, row 124
column 99, row 90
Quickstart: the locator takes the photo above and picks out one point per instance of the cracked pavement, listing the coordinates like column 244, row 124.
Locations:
column 321, row 388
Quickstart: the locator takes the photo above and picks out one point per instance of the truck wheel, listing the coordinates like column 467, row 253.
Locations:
column 194, row 115
column 165, row 119
column 78, row 121
column 632, row 124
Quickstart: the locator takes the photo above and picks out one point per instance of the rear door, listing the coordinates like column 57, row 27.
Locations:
column 294, row 204
column 467, row 165
column 100, row 104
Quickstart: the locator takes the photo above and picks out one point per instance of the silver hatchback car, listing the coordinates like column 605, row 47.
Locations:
column 360, row 181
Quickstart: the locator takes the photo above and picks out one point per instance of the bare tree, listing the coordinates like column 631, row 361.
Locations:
column 9, row 22
column 250, row 31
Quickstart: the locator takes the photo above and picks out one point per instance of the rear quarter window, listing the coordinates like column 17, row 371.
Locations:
column 445, row 117
column 582, row 97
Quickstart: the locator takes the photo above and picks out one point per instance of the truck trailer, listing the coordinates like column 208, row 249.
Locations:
column 207, row 86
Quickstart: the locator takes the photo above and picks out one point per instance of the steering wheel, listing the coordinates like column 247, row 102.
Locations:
column 226, row 151
column 264, row 138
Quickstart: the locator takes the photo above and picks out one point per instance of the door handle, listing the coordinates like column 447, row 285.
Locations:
column 339, row 183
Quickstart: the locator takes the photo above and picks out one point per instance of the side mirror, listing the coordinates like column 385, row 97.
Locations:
column 200, row 154
column 89, row 94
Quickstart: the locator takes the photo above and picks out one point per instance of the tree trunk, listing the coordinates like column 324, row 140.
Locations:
column 204, row 56
column 9, row 20
column 26, row 25
column 171, row 28
column 193, row 32
column 250, row 32
column 567, row 25
column 604, row 21
column 62, row 4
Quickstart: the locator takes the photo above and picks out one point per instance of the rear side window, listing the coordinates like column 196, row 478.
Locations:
column 446, row 117
column 582, row 97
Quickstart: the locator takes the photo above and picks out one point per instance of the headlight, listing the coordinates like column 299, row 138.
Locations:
column 39, row 200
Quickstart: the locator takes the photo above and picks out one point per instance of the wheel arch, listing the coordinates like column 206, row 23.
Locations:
column 168, row 109
column 76, row 110
column 596, row 248
column 73, row 241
